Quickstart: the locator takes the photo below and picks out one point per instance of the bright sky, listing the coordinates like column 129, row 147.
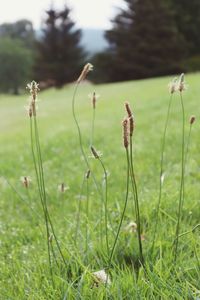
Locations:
column 86, row 13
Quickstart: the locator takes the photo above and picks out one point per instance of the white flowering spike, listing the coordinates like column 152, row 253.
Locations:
column 102, row 277
column 63, row 188
column 181, row 84
column 131, row 227
column 25, row 181
column 33, row 87
column 93, row 97
column 173, row 85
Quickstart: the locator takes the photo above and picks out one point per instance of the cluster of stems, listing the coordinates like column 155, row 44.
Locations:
column 38, row 165
column 87, row 68
column 128, row 128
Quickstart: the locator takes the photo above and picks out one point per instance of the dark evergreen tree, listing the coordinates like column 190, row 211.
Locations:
column 59, row 53
column 187, row 17
column 144, row 41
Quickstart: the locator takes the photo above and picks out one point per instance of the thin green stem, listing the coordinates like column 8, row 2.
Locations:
column 186, row 157
column 87, row 218
column 189, row 231
column 161, row 173
column 41, row 173
column 41, row 198
column 137, row 209
column 181, row 194
column 105, row 203
column 82, row 150
column 92, row 128
column 80, row 140
column 79, row 211
column 123, row 212
column 23, row 200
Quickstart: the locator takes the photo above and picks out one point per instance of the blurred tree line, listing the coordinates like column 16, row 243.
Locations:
column 151, row 38
column 148, row 38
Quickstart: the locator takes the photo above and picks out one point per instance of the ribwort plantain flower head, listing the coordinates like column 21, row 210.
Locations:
column 33, row 87
column 25, row 181
column 87, row 174
column 173, row 86
column 181, row 83
column 93, row 98
column 192, row 119
column 62, row 188
column 131, row 227
column 125, row 132
column 101, row 277
column 94, row 152
column 87, row 68
column 130, row 118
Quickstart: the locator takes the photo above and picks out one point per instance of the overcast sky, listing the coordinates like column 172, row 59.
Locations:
column 86, row 13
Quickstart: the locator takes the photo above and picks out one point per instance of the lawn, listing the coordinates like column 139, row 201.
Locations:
column 24, row 268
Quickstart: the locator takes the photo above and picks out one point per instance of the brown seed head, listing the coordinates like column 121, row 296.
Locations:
column 130, row 118
column 125, row 132
column 94, row 99
column 87, row 68
column 87, row 175
column 30, row 112
column 25, row 181
column 192, row 119
column 94, row 152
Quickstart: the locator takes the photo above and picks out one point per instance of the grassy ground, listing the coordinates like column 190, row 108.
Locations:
column 24, row 270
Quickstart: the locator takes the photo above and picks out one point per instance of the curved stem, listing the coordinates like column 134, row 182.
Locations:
column 80, row 140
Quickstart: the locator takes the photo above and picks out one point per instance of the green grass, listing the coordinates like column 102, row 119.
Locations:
column 24, row 271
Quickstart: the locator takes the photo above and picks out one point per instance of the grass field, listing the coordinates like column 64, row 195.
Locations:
column 24, row 270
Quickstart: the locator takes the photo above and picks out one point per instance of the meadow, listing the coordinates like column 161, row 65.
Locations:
column 24, row 267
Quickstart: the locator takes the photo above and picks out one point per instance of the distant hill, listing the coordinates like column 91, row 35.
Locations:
column 93, row 40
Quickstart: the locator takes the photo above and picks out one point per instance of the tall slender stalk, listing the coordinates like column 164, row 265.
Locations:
column 41, row 197
column 123, row 212
column 87, row 212
column 131, row 123
column 161, row 173
column 80, row 140
column 181, row 192
column 81, row 77
column 96, row 155
column 44, row 189
column 92, row 127
column 37, row 159
column 79, row 210
column 137, row 210
column 192, row 119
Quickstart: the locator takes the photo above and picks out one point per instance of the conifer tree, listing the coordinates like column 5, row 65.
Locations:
column 187, row 17
column 144, row 41
column 59, row 54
